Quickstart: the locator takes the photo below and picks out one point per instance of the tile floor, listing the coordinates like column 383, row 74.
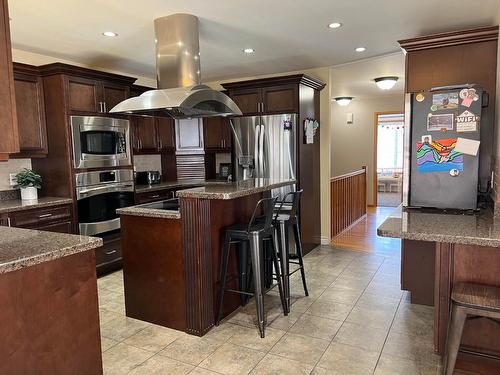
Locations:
column 356, row 320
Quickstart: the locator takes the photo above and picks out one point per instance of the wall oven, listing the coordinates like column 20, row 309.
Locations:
column 100, row 142
column 98, row 196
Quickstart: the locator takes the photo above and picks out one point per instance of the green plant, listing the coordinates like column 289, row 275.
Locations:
column 28, row 178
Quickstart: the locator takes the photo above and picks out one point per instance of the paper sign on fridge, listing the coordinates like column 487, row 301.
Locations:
column 439, row 155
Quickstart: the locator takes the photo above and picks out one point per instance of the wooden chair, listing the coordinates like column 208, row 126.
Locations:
column 468, row 299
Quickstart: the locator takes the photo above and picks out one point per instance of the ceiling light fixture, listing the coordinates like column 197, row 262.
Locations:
column 343, row 100
column 249, row 50
column 360, row 49
column 334, row 25
column 386, row 83
column 109, row 33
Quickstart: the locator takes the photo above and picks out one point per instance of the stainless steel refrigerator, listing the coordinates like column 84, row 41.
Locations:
column 265, row 147
column 441, row 131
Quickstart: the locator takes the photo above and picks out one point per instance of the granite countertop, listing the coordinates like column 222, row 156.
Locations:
column 148, row 212
column 12, row 205
column 20, row 248
column 175, row 185
column 481, row 228
column 231, row 190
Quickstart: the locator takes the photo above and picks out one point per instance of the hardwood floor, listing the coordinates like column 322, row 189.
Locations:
column 363, row 235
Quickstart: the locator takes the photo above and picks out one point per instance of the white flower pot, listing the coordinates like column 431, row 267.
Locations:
column 29, row 193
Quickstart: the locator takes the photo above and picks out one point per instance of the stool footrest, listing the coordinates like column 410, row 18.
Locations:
column 238, row 291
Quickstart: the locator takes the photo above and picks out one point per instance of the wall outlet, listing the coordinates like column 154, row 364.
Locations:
column 12, row 179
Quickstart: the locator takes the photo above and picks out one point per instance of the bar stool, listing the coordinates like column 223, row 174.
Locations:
column 254, row 233
column 282, row 222
column 468, row 299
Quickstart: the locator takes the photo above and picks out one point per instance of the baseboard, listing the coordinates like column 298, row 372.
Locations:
column 349, row 226
column 325, row 240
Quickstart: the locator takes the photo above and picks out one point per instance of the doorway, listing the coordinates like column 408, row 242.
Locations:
column 388, row 158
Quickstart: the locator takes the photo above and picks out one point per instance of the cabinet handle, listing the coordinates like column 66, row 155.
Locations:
column 155, row 196
column 100, row 106
column 110, row 252
column 8, row 221
column 262, row 107
column 44, row 215
column 104, row 106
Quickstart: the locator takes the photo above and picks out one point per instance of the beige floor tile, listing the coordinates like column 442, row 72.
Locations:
column 384, row 290
column 342, row 359
column 302, row 304
column 389, row 365
column 364, row 337
column 409, row 347
column 160, row 365
column 202, row 371
column 301, row 348
column 115, row 302
column 371, row 317
column 153, row 338
column 338, row 294
column 191, row 349
column 330, row 310
column 285, row 322
column 274, row 365
column 250, row 338
column 121, row 358
column 351, row 282
column 232, row 360
column 107, row 343
column 223, row 332
column 314, row 326
column 416, row 320
column 105, row 316
column 122, row 327
column 379, row 302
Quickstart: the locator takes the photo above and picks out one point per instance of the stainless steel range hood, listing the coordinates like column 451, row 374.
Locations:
column 180, row 94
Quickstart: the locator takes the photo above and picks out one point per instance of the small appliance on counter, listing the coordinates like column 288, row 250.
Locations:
column 147, row 177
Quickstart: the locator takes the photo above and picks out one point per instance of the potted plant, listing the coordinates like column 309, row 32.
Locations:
column 29, row 182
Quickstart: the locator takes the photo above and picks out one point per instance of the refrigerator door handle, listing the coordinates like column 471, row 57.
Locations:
column 261, row 151
column 256, row 151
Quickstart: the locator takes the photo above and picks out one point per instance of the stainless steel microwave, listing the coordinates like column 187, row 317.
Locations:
column 100, row 142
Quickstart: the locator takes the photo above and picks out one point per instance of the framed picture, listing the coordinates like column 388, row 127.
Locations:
column 224, row 170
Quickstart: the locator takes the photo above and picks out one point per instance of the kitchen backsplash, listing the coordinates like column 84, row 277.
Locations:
column 147, row 163
column 221, row 158
column 11, row 166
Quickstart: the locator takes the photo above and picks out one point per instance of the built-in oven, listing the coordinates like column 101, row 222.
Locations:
column 98, row 196
column 100, row 142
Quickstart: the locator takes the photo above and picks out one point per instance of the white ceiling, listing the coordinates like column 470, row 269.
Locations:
column 286, row 34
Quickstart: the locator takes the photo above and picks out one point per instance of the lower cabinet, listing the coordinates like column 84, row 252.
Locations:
column 154, row 196
column 52, row 219
column 109, row 257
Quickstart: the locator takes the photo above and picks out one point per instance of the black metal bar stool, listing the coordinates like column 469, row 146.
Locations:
column 468, row 301
column 283, row 220
column 257, row 230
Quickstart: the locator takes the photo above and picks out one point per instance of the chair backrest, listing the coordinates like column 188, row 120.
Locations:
column 268, row 205
column 292, row 197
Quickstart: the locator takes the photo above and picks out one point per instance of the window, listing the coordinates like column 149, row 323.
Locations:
column 390, row 132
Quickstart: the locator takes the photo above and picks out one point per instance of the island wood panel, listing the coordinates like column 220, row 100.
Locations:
column 418, row 259
column 466, row 263
column 203, row 223
column 50, row 318
column 348, row 200
column 153, row 270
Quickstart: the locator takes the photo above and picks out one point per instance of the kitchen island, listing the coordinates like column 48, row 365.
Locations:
column 171, row 257
column 49, row 311
column 440, row 250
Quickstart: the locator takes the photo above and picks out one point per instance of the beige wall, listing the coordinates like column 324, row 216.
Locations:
column 352, row 144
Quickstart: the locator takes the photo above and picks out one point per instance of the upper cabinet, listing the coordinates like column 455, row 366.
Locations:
column 166, row 134
column 30, row 112
column 216, row 134
column 264, row 97
column 9, row 139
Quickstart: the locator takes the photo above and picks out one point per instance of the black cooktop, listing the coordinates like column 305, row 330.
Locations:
column 168, row 204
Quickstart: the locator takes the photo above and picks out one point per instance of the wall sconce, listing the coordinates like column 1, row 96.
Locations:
column 343, row 100
column 386, row 83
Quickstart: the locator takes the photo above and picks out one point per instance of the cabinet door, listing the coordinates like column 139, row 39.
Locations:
column 166, row 133
column 145, row 134
column 9, row 140
column 30, row 115
column 248, row 100
column 226, row 133
column 112, row 95
column 280, row 99
column 189, row 135
column 62, row 227
column 83, row 95
column 212, row 133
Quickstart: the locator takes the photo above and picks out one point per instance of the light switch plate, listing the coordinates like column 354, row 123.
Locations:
column 12, row 179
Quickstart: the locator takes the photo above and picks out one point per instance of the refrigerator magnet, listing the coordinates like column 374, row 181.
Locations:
column 420, row 97
column 427, row 139
column 467, row 122
column 468, row 96
column 440, row 122
column 446, row 100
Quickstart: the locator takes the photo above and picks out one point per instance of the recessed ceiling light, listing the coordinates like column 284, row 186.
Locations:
column 386, row 83
column 360, row 49
column 334, row 25
column 109, row 33
column 249, row 50
column 343, row 100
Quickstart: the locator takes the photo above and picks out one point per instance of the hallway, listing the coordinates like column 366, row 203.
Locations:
column 363, row 235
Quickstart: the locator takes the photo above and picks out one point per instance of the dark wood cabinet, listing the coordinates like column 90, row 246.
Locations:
column 113, row 94
column 217, row 134
column 53, row 219
column 4, row 220
column 30, row 112
column 153, row 196
column 9, row 140
column 266, row 100
column 144, row 130
column 166, row 134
